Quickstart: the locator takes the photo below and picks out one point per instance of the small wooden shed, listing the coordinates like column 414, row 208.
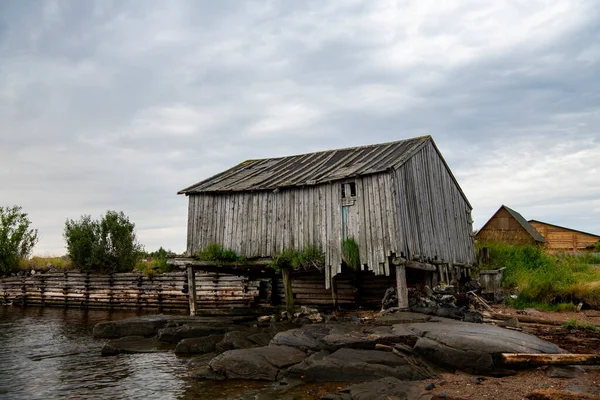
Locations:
column 508, row 226
column 559, row 238
column 399, row 201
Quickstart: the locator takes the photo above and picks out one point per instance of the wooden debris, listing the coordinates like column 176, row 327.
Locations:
column 549, row 359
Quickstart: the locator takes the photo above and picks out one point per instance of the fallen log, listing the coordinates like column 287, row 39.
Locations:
column 549, row 359
column 526, row 319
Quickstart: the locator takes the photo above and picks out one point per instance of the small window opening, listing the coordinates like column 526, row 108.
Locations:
column 348, row 190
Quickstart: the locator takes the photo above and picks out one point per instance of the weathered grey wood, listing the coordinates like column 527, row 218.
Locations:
column 401, row 287
column 191, row 289
column 287, row 287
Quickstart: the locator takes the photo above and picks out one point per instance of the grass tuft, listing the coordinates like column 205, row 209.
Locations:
column 573, row 324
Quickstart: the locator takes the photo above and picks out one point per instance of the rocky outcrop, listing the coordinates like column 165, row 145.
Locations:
column 382, row 389
column 175, row 334
column 134, row 345
column 261, row 363
column 352, row 365
column 139, row 326
column 199, row 345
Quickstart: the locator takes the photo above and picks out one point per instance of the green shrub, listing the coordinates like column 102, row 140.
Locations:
column 541, row 278
column 215, row 252
column 17, row 239
column 351, row 253
column 105, row 245
column 310, row 257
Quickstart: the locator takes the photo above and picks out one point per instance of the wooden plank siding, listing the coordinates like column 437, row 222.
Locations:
column 433, row 217
column 560, row 238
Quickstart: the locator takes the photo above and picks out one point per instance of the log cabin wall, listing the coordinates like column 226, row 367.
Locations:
column 559, row 238
column 433, row 215
column 132, row 290
column 502, row 227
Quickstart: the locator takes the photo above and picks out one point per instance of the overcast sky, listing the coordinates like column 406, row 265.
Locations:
column 119, row 104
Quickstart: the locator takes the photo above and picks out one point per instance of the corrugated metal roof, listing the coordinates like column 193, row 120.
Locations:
column 528, row 227
column 311, row 168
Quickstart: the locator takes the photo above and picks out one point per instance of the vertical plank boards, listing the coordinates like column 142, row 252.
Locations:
column 361, row 203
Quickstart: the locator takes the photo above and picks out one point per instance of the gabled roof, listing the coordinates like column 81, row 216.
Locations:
column 311, row 168
column 562, row 227
column 522, row 221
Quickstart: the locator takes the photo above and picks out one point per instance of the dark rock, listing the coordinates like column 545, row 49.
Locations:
column 473, row 316
column 261, row 338
column 477, row 380
column 205, row 373
column 351, row 365
column 567, row 372
column 431, row 386
column 390, row 299
column 305, row 338
column 134, row 345
column 260, row 363
column 236, row 340
column 457, row 345
column 449, row 289
column 382, row 389
column 139, row 326
column 200, row 345
column 177, row 333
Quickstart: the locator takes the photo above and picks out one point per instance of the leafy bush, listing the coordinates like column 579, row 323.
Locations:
column 17, row 239
column 105, row 245
column 351, row 253
column 215, row 252
column 541, row 278
column 154, row 263
column 310, row 257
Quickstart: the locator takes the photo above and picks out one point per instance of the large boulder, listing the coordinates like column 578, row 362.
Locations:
column 200, row 345
column 138, row 326
column 134, row 345
column 458, row 345
column 260, row 363
column 382, row 389
column 175, row 334
column 353, row 365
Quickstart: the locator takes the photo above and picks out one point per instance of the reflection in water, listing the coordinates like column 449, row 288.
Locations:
column 49, row 353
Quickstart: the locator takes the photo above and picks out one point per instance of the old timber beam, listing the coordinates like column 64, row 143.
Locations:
column 287, row 290
column 413, row 264
column 549, row 359
column 401, row 287
column 192, row 290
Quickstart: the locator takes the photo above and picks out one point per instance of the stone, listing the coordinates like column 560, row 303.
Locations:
column 382, row 389
column 305, row 338
column 134, row 345
column 260, row 363
column 431, row 386
column 138, row 326
column 261, row 338
column 177, row 333
column 567, row 372
column 448, row 289
column 205, row 373
column 315, row 318
column 352, row 365
column 390, row 299
column 473, row 316
column 458, row 345
column 200, row 345
column 264, row 319
column 236, row 340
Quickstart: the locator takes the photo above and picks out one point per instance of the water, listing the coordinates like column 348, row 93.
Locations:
column 48, row 353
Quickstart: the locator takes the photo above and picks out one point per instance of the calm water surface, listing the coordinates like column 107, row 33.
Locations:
column 48, row 353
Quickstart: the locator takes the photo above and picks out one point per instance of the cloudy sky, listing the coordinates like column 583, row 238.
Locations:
column 119, row 104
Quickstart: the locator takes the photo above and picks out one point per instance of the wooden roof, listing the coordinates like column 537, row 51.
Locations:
column 311, row 168
column 522, row 221
column 562, row 227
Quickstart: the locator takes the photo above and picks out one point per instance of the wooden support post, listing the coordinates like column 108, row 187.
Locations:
column 334, row 292
column 401, row 288
column 191, row 289
column 287, row 289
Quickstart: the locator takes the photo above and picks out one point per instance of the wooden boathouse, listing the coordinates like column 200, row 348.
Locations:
column 508, row 226
column 559, row 238
column 399, row 201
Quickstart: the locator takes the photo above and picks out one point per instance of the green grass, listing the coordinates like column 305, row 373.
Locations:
column 310, row 257
column 42, row 263
column 215, row 252
column 539, row 278
column 351, row 253
column 576, row 325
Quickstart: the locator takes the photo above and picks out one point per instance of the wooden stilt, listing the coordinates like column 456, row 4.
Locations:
column 334, row 292
column 401, row 287
column 287, row 289
column 191, row 289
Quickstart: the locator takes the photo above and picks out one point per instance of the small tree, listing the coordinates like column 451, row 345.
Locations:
column 108, row 244
column 16, row 238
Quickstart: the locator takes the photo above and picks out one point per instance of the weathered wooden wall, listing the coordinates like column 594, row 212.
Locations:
column 434, row 217
column 418, row 210
column 504, row 228
column 131, row 290
column 559, row 238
